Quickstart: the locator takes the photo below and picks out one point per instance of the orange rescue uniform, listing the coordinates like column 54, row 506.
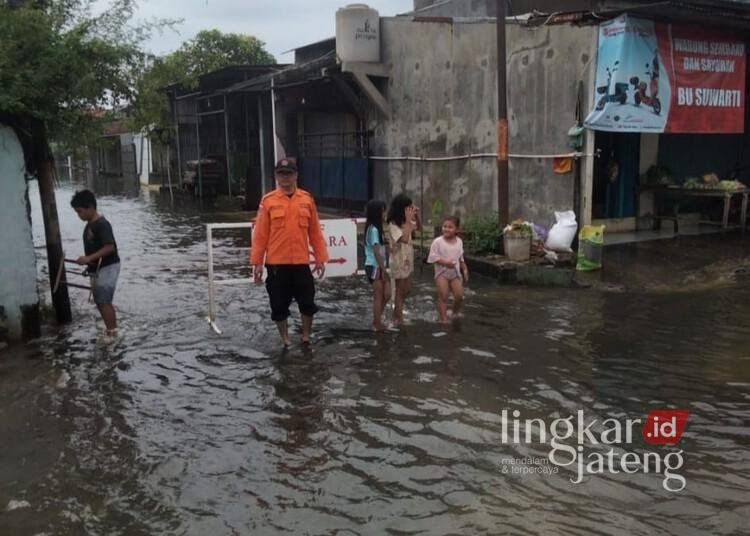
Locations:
column 285, row 229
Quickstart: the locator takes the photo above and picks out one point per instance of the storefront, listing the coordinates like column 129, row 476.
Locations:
column 669, row 120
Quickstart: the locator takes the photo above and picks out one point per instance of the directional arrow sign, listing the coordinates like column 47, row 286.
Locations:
column 341, row 240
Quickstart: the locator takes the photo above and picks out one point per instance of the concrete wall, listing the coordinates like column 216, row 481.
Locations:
column 545, row 66
column 443, row 100
column 19, row 300
column 443, row 96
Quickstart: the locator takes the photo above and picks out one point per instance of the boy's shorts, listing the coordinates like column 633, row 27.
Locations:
column 103, row 284
column 287, row 282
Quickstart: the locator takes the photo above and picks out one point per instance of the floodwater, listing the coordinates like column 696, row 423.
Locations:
column 176, row 430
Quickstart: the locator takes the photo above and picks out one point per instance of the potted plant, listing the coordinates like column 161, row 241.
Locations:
column 517, row 241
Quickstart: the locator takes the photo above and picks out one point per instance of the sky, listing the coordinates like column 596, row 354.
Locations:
column 281, row 24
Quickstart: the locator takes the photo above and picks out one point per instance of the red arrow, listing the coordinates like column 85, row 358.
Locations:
column 341, row 260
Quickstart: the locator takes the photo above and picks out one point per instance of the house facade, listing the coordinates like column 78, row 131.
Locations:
column 426, row 114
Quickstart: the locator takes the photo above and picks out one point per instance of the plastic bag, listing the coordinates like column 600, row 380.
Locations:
column 563, row 232
column 590, row 246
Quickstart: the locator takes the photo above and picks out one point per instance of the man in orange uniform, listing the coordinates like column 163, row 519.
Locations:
column 286, row 226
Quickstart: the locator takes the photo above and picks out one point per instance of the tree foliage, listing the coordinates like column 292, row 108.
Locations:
column 61, row 64
column 208, row 51
column 69, row 65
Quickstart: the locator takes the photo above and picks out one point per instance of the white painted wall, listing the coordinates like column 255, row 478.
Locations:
column 17, row 261
column 143, row 161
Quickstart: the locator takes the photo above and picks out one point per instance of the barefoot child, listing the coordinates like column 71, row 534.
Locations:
column 447, row 254
column 376, row 265
column 101, row 252
column 402, row 220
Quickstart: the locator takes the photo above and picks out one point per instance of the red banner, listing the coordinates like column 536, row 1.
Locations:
column 708, row 80
column 659, row 77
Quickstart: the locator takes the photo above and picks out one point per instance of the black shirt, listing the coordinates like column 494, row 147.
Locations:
column 96, row 235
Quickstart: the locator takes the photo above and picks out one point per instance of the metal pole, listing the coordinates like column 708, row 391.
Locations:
column 140, row 172
column 209, row 244
column 273, row 121
column 421, row 215
column 177, row 139
column 503, row 203
column 198, row 148
column 248, row 150
column 261, row 133
column 169, row 174
column 226, row 145
column 343, row 168
column 577, row 163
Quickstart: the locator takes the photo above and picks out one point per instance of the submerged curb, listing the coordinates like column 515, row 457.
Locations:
column 520, row 273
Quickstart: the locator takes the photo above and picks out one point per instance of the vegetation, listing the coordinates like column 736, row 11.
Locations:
column 208, row 51
column 483, row 233
column 518, row 229
column 65, row 70
column 60, row 65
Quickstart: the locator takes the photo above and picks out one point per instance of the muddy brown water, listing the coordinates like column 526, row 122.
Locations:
column 175, row 430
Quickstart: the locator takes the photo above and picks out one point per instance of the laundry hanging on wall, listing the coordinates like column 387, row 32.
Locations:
column 661, row 77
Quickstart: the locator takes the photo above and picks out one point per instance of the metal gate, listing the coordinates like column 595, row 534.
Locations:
column 334, row 168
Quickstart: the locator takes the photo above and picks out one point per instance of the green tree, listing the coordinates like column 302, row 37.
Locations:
column 208, row 51
column 211, row 50
column 61, row 66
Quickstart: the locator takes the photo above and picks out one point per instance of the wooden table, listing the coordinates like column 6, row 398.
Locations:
column 681, row 193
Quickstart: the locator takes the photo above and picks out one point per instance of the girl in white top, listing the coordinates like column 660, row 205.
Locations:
column 403, row 219
column 447, row 255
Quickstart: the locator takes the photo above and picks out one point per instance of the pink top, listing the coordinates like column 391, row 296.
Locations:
column 447, row 250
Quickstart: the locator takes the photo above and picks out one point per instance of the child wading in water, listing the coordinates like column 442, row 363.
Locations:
column 376, row 263
column 101, row 260
column 447, row 254
column 402, row 220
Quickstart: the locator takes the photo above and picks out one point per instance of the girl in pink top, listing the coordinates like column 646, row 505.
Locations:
column 447, row 254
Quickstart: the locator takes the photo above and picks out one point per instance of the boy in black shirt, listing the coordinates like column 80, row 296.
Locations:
column 99, row 244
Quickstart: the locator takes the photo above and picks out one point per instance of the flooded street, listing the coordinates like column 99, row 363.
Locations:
column 176, row 430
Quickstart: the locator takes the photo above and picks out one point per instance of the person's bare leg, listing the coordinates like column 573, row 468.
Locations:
column 457, row 288
column 283, row 327
column 386, row 295
column 398, row 302
column 442, row 299
column 377, row 305
column 107, row 312
column 306, row 328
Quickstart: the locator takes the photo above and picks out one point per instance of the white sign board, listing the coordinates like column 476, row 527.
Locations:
column 341, row 241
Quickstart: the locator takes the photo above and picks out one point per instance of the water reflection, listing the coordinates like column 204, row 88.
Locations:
column 177, row 431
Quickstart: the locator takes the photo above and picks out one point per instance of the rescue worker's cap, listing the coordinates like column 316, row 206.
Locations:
column 286, row 164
